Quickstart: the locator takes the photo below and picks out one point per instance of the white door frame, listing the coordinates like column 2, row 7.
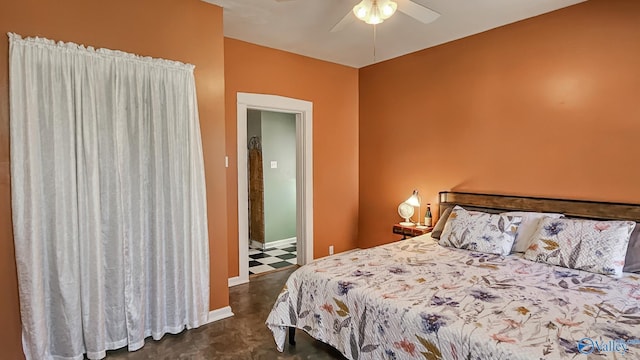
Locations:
column 304, row 174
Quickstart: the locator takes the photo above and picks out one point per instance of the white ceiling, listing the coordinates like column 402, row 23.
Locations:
column 303, row 26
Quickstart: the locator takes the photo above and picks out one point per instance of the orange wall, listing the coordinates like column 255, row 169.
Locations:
column 333, row 89
column 543, row 107
column 186, row 30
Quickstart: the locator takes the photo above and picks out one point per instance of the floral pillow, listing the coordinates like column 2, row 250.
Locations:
column 528, row 227
column 590, row 245
column 478, row 231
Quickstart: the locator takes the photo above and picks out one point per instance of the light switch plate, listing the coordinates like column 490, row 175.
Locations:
column 274, row 164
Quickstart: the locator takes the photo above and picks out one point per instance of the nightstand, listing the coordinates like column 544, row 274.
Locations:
column 410, row 231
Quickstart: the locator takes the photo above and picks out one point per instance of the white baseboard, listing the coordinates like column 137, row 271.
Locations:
column 219, row 314
column 292, row 241
column 237, row 281
column 258, row 245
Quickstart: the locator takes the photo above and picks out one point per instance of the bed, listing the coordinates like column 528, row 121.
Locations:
column 417, row 299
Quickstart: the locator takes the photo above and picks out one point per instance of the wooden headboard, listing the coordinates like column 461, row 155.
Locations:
column 571, row 208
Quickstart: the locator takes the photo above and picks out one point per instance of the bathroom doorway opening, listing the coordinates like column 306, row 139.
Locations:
column 271, row 157
column 303, row 112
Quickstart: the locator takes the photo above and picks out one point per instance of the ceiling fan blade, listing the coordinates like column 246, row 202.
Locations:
column 346, row 20
column 417, row 11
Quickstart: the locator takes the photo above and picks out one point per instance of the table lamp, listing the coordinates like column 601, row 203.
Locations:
column 416, row 200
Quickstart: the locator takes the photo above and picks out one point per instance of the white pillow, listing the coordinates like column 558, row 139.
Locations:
column 489, row 233
column 528, row 227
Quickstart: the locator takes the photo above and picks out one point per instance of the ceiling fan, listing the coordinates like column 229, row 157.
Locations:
column 409, row 7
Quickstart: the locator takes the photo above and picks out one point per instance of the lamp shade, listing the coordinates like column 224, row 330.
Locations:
column 414, row 199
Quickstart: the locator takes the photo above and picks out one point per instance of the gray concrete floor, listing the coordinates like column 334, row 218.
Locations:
column 243, row 336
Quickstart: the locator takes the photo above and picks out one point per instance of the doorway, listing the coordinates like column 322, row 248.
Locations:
column 303, row 112
column 271, row 139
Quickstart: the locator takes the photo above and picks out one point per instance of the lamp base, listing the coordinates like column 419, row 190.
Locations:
column 406, row 223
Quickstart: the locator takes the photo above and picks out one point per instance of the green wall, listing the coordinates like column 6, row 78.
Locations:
column 278, row 135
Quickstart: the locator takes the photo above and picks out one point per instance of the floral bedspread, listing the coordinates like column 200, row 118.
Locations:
column 415, row 299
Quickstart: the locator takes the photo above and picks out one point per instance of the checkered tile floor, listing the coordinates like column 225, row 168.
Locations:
column 272, row 258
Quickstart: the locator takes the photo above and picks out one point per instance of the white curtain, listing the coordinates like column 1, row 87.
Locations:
column 108, row 198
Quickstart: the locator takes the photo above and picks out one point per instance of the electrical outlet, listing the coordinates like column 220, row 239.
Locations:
column 330, row 249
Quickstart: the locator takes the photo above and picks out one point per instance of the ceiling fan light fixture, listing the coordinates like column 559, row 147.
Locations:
column 389, row 9
column 361, row 10
column 374, row 17
column 374, row 11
